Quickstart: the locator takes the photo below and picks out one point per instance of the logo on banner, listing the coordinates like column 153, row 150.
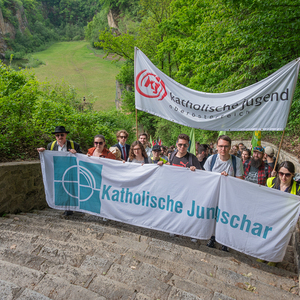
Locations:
column 150, row 85
column 77, row 185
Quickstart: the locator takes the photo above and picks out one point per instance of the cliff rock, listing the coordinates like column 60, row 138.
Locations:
column 6, row 28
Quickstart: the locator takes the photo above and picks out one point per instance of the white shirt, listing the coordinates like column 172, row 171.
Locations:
column 63, row 148
column 226, row 166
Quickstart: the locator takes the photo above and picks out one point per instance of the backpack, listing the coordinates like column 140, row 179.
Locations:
column 233, row 163
column 190, row 158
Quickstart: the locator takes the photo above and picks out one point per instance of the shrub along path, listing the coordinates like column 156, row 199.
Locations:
column 43, row 255
column 81, row 67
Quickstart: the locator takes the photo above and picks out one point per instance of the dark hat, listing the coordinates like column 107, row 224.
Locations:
column 60, row 129
column 156, row 148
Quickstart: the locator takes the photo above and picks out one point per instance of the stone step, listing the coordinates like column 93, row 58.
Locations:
column 72, row 233
column 148, row 263
column 10, row 291
column 88, row 228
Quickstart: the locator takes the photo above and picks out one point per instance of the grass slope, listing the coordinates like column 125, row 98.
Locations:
column 81, row 67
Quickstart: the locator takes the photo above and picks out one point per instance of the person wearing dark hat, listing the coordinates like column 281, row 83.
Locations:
column 62, row 144
column 256, row 170
column 156, row 159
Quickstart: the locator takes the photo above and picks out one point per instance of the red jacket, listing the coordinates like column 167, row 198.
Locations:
column 105, row 153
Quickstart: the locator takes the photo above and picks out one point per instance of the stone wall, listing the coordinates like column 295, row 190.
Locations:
column 21, row 187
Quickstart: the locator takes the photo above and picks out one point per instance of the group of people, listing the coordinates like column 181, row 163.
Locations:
column 228, row 160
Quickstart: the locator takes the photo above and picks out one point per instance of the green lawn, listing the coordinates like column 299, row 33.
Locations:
column 83, row 68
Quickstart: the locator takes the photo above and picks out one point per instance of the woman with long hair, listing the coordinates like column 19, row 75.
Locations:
column 137, row 153
column 99, row 149
column 284, row 180
column 246, row 155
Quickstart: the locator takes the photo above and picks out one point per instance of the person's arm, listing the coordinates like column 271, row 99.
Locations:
column 239, row 169
column 207, row 163
column 77, row 149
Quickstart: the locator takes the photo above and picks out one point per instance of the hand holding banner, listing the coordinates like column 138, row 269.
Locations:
column 175, row 200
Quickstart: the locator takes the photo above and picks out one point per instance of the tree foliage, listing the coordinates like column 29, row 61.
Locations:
column 46, row 22
column 216, row 46
column 29, row 112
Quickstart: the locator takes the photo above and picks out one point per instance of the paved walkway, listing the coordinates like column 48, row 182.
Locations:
column 46, row 256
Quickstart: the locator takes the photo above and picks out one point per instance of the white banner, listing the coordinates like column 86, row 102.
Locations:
column 262, row 106
column 249, row 218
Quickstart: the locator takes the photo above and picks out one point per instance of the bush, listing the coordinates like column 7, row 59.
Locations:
column 29, row 112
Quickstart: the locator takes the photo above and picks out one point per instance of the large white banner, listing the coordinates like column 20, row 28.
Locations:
column 252, row 219
column 262, row 106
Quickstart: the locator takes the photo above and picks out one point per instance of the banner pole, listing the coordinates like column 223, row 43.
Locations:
column 136, row 124
column 277, row 157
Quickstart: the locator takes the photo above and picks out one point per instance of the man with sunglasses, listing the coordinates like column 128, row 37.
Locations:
column 122, row 136
column 256, row 170
column 181, row 157
column 62, row 144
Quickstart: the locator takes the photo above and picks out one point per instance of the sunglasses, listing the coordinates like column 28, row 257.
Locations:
column 260, row 149
column 287, row 175
column 122, row 137
column 60, row 134
column 182, row 145
column 98, row 143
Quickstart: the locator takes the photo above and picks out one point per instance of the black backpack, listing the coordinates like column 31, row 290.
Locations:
column 190, row 158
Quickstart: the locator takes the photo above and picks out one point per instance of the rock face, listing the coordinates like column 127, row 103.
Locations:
column 111, row 18
column 7, row 29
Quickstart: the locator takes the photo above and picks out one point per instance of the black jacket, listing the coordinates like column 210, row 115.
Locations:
column 55, row 148
column 127, row 148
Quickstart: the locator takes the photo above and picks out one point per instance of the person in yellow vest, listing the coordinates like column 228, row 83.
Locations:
column 284, row 182
column 62, row 144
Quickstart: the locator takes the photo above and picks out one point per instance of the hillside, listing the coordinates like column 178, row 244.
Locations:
column 79, row 65
column 30, row 25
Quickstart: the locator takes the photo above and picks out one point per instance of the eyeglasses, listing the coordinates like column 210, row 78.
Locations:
column 122, row 137
column 136, row 149
column 98, row 143
column 60, row 134
column 182, row 145
column 225, row 147
column 287, row 175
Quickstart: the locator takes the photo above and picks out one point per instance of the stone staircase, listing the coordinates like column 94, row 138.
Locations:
column 44, row 255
